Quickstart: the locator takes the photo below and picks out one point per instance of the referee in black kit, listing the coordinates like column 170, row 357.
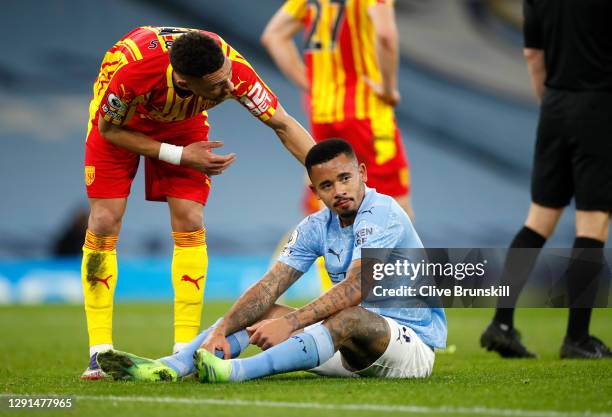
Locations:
column 568, row 49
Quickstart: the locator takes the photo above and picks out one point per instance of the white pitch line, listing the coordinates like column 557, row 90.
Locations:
column 417, row 409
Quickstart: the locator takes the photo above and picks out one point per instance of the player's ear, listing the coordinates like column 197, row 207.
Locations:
column 180, row 82
column 309, row 183
column 363, row 172
column 314, row 191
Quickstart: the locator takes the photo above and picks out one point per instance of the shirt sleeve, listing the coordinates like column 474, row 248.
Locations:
column 531, row 26
column 303, row 247
column 249, row 88
column 120, row 98
column 296, row 8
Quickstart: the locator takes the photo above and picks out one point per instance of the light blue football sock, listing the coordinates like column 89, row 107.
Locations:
column 300, row 352
column 182, row 361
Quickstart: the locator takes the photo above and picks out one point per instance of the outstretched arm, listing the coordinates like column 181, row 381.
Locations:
column 295, row 138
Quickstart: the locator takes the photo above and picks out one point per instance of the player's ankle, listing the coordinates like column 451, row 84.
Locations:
column 178, row 346
column 100, row 348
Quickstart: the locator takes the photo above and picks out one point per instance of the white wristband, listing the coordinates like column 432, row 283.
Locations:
column 170, row 153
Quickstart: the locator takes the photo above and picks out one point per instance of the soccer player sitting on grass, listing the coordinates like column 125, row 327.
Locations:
column 332, row 335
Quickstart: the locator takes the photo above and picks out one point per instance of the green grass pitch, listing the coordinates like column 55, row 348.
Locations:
column 43, row 350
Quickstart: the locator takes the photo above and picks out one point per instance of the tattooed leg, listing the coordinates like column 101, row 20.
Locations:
column 360, row 335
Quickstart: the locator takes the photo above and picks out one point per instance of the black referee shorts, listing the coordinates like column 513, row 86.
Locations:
column 573, row 155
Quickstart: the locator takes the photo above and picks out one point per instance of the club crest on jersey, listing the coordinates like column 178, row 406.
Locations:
column 292, row 239
column 257, row 99
column 90, row 174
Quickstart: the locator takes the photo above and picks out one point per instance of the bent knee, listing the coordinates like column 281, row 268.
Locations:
column 187, row 220
column 105, row 221
column 349, row 318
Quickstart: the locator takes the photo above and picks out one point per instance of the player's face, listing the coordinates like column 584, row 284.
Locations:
column 215, row 86
column 340, row 184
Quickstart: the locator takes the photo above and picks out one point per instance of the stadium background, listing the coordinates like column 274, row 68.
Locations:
column 468, row 118
column 467, row 115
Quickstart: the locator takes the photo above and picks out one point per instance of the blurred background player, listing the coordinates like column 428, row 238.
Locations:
column 568, row 48
column 151, row 100
column 349, row 77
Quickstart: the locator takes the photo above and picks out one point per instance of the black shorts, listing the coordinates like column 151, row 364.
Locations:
column 573, row 155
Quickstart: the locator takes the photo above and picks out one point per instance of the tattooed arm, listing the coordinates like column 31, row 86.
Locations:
column 259, row 298
column 252, row 305
column 341, row 296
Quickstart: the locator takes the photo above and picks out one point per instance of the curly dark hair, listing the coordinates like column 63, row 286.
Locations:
column 196, row 54
column 327, row 150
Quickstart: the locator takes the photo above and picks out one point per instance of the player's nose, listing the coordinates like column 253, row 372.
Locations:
column 339, row 190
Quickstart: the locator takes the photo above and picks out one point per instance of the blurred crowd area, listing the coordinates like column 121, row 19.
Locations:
column 467, row 114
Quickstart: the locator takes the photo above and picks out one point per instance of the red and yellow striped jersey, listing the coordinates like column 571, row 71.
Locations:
column 339, row 52
column 134, row 86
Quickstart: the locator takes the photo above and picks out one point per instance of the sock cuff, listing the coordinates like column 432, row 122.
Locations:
column 100, row 348
column 99, row 242
column 242, row 337
column 323, row 341
column 528, row 238
column 588, row 242
column 189, row 239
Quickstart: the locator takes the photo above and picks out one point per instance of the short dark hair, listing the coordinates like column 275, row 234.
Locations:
column 196, row 54
column 326, row 151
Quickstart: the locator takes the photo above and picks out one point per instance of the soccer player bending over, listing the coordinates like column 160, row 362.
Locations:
column 332, row 335
column 151, row 98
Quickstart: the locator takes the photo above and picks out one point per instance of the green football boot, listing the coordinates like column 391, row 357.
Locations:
column 127, row 367
column 210, row 368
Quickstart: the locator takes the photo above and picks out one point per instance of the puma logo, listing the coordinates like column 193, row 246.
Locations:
column 239, row 84
column 368, row 211
column 400, row 335
column 193, row 281
column 103, row 281
column 300, row 340
column 405, row 336
column 337, row 255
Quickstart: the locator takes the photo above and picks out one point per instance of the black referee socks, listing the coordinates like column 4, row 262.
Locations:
column 528, row 238
column 517, row 269
column 582, row 281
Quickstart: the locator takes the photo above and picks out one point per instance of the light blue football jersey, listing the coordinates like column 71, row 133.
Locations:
column 380, row 223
